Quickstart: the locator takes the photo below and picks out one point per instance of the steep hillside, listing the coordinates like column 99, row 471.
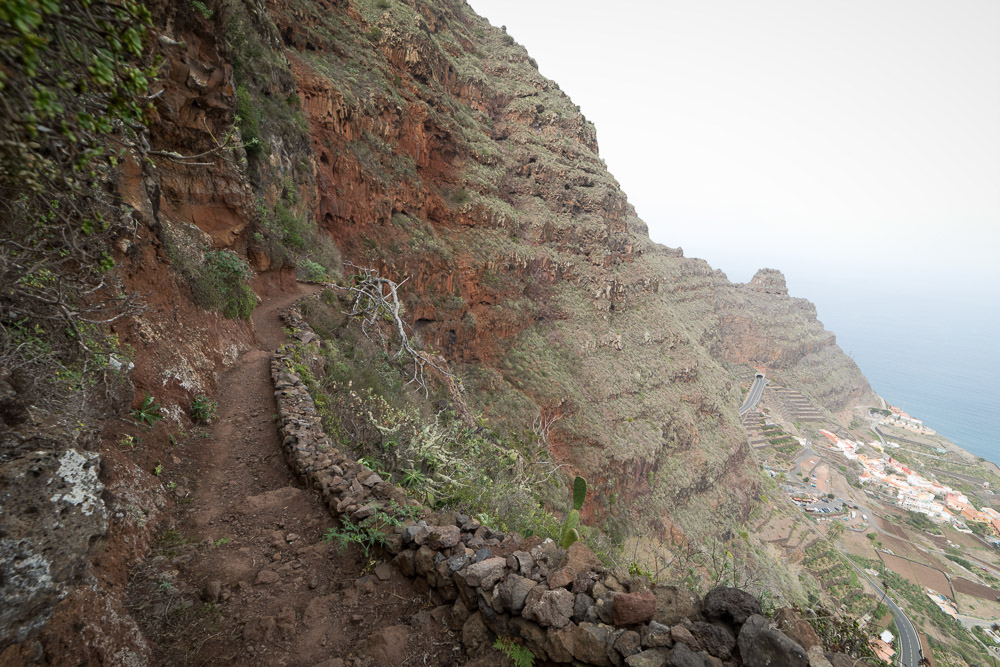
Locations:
column 317, row 137
column 444, row 157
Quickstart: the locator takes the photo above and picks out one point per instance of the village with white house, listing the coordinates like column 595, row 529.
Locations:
column 912, row 490
column 903, row 510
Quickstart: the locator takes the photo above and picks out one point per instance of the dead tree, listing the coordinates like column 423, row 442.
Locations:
column 375, row 301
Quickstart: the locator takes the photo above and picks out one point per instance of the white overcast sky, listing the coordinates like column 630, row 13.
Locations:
column 851, row 144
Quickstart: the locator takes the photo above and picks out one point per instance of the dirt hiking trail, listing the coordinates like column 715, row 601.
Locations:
column 239, row 574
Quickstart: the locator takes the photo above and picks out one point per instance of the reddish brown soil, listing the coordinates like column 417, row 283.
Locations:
column 967, row 587
column 890, row 528
column 240, row 575
column 919, row 574
column 909, row 551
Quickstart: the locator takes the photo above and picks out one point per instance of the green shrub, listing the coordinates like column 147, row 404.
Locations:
column 203, row 410
column 248, row 118
column 371, row 532
column 313, row 271
column 223, row 283
column 201, row 8
column 293, row 228
column 72, row 75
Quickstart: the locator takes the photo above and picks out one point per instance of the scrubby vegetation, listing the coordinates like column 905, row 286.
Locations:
column 73, row 79
column 423, row 445
column 276, row 143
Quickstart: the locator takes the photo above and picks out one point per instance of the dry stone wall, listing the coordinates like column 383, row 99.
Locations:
column 560, row 603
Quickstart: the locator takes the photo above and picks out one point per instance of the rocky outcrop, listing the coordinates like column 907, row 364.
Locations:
column 761, row 326
column 525, row 265
column 52, row 514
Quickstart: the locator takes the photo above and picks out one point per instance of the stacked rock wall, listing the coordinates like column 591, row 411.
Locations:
column 560, row 603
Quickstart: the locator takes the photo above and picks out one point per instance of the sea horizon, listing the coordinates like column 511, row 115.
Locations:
column 940, row 369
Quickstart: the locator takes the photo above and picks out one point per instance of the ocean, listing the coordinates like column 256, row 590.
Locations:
column 939, row 362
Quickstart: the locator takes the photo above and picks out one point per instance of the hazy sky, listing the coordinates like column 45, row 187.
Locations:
column 855, row 142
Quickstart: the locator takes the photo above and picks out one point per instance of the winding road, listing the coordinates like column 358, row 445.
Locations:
column 753, row 396
column 908, row 644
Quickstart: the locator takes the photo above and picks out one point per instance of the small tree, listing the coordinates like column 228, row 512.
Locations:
column 836, row 530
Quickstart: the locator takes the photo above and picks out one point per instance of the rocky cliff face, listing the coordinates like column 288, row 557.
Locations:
column 761, row 326
column 444, row 157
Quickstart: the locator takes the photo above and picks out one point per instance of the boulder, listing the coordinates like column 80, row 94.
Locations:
column 681, row 634
column 424, row 561
column 580, row 558
column 549, row 608
column 628, row 643
column 604, row 609
column 560, row 642
column 581, row 604
column 590, row 645
column 521, row 562
column 682, row 656
column 674, row 604
column 512, row 592
column 532, row 636
column 437, row 537
column 562, row 578
column 583, row 583
column 633, row 608
column 748, row 633
column 714, row 639
column 729, row 604
column 762, row 646
column 485, row 573
column 655, row 635
column 654, row 657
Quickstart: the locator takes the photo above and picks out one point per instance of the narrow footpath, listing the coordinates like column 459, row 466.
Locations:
column 240, row 574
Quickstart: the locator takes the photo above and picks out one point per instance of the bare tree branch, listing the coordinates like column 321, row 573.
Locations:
column 376, row 303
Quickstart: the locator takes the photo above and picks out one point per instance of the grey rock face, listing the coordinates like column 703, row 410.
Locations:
column 51, row 513
column 656, row 635
column 762, row 646
column 512, row 592
column 681, row 656
column 674, row 604
column 715, row 639
column 549, row 608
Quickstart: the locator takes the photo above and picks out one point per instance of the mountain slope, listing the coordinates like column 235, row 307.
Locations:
column 445, row 158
